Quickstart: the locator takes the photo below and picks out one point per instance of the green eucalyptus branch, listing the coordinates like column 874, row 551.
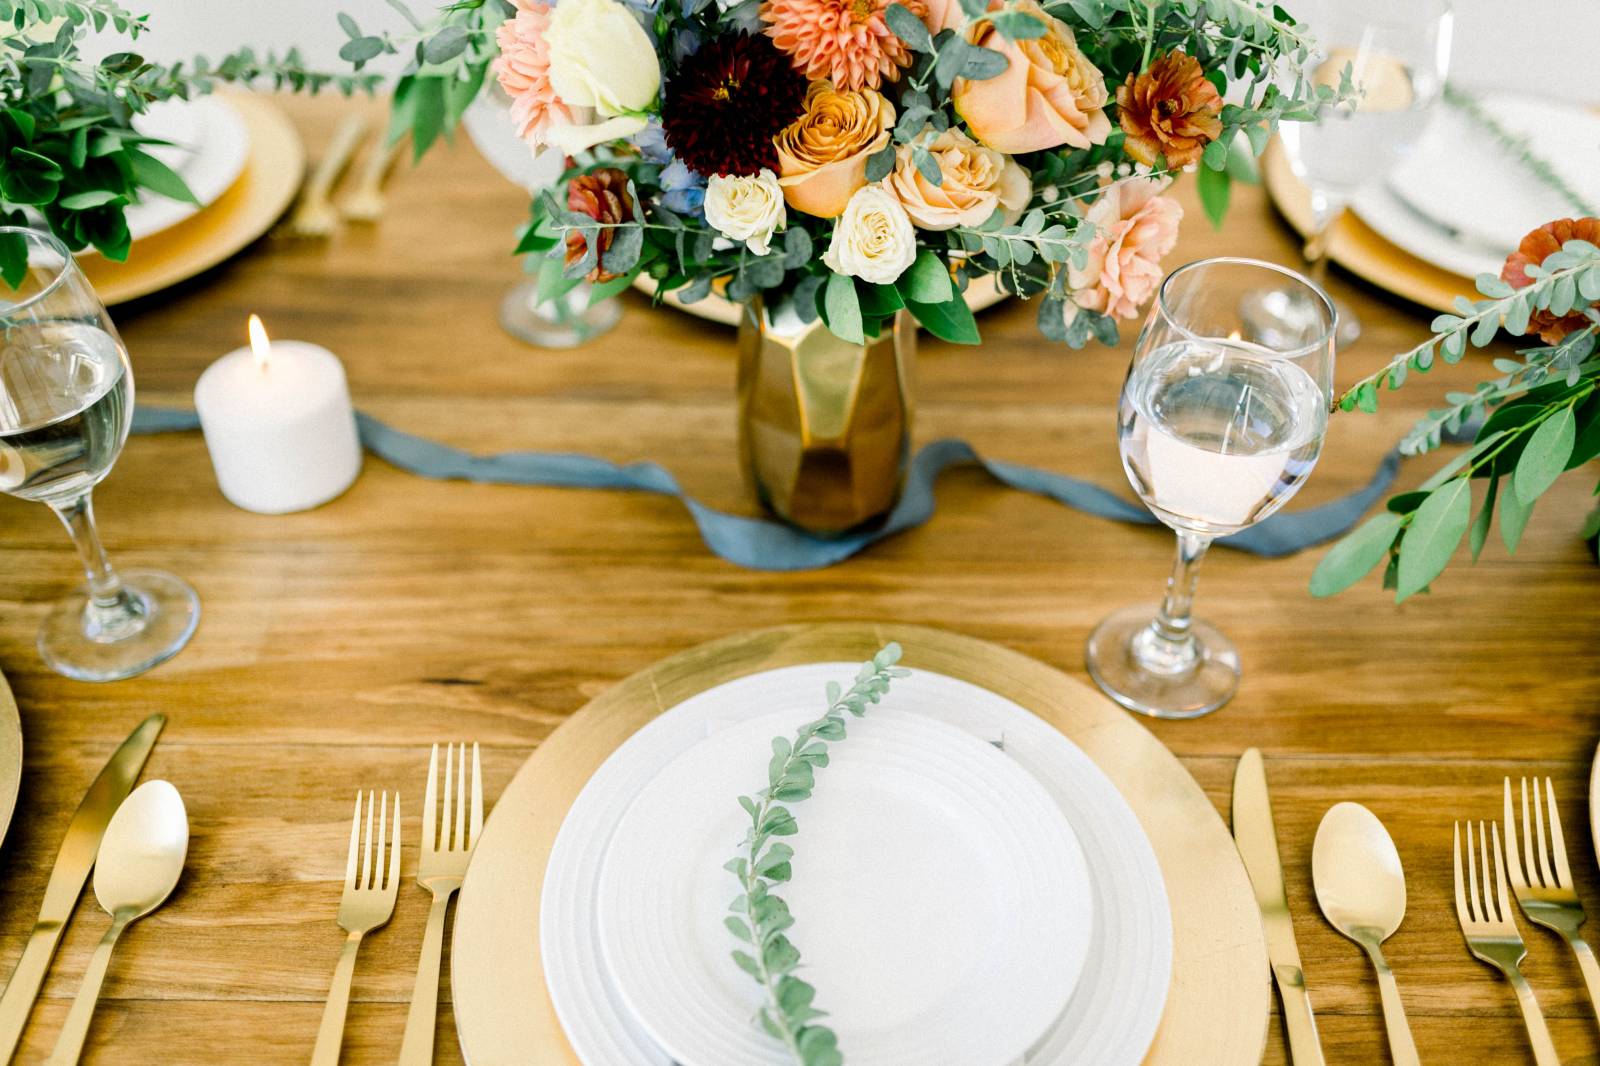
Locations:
column 1518, row 146
column 758, row 918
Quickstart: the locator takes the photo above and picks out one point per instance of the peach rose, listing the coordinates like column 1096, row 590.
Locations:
column 974, row 181
column 1134, row 227
column 1050, row 94
column 822, row 155
column 944, row 15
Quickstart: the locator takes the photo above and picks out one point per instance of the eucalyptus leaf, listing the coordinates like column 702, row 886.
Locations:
column 908, row 27
column 842, row 308
column 1435, row 531
column 1545, row 456
column 1353, row 557
column 1479, row 533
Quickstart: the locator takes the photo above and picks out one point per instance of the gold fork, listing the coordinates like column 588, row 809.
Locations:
column 1545, row 890
column 365, row 203
column 315, row 216
column 1491, row 933
column 367, row 903
column 442, row 866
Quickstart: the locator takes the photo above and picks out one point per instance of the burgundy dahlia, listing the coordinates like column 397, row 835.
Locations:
column 727, row 101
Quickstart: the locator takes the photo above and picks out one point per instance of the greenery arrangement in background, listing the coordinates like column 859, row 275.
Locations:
column 1540, row 418
column 1519, row 146
column 759, row 918
column 69, row 153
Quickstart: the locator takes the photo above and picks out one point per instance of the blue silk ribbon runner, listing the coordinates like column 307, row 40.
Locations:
column 764, row 544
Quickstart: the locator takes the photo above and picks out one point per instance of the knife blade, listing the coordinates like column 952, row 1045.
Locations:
column 1257, row 840
column 70, row 874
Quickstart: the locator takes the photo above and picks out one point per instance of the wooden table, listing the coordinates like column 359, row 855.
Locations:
column 336, row 645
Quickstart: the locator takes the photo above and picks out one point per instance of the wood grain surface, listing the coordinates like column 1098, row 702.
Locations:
column 335, row 645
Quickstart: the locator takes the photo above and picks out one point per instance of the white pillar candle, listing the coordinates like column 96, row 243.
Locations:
column 279, row 425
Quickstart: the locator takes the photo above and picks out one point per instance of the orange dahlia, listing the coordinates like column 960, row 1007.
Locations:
column 1532, row 250
column 847, row 42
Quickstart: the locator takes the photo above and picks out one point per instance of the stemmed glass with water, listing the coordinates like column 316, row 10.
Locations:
column 66, row 404
column 1218, row 426
column 1397, row 53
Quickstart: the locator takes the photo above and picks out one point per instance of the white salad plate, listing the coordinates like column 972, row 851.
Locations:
column 210, row 145
column 1112, row 1010
column 1401, row 225
column 939, row 896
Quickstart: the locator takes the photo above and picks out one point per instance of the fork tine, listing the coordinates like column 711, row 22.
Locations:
column 355, row 845
column 1538, row 822
column 1513, row 861
column 1472, row 877
column 366, row 852
column 1558, row 844
column 383, row 840
column 477, row 798
column 1500, row 877
column 445, row 821
column 460, row 841
column 1529, row 863
column 1463, row 914
column 430, row 802
column 394, row 850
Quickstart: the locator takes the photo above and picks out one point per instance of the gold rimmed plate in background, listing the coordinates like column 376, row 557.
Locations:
column 10, row 755
column 249, row 208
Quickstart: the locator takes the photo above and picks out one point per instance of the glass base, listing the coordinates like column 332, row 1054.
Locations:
column 75, row 643
column 1149, row 675
column 564, row 322
column 1276, row 319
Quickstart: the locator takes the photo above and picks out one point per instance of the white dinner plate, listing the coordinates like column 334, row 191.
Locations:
column 941, row 902
column 1113, row 1012
column 1403, row 227
column 209, row 149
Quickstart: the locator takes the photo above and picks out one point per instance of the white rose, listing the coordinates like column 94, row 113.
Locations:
column 873, row 240
column 746, row 208
column 601, row 60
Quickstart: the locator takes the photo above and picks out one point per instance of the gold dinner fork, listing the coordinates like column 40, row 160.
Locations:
column 440, row 870
column 1491, row 933
column 365, row 202
column 367, row 903
column 315, row 215
column 1544, row 889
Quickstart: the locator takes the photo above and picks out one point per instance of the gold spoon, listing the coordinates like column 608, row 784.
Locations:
column 141, row 857
column 1362, row 892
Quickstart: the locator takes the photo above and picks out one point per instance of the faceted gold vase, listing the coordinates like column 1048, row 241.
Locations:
column 824, row 425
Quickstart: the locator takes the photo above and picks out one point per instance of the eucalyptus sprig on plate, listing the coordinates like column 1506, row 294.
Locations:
column 758, row 917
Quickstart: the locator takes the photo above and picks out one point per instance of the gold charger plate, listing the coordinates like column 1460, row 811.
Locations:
column 982, row 294
column 10, row 755
column 1359, row 248
column 248, row 209
column 1217, row 1007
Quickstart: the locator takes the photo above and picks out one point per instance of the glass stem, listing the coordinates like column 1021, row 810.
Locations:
column 1325, row 211
column 1167, row 646
column 112, row 612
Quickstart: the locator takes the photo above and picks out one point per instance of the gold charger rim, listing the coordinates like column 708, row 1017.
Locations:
column 1358, row 247
column 10, row 755
column 1219, row 998
column 250, row 207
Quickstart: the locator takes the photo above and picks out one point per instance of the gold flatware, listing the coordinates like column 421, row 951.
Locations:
column 1491, row 932
column 443, row 864
column 1257, row 840
column 139, row 865
column 365, row 202
column 68, row 876
column 1361, row 888
column 314, row 215
column 1544, row 888
column 1594, row 800
column 367, row 903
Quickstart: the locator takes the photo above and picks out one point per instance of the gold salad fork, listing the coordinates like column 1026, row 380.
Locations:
column 315, row 216
column 1544, row 888
column 443, row 864
column 367, row 903
column 1491, row 933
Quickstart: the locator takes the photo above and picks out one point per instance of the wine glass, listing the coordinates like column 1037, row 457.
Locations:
column 66, row 402
column 1398, row 55
column 1218, row 427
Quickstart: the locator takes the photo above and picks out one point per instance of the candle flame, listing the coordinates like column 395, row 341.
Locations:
column 260, row 346
column 1233, row 335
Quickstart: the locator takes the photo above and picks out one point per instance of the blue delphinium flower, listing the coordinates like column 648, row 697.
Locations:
column 683, row 192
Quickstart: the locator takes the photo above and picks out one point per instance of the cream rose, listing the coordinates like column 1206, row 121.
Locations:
column 746, row 208
column 822, row 155
column 1134, row 227
column 974, row 180
column 600, row 60
column 872, row 239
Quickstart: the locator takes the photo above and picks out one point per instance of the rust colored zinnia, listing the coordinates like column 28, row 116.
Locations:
column 1533, row 249
column 603, row 196
column 1170, row 110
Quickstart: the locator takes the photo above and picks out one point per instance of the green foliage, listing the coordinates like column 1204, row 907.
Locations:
column 758, row 918
column 69, row 153
column 1520, row 146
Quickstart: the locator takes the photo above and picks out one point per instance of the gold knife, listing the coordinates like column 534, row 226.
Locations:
column 1258, row 846
column 69, row 875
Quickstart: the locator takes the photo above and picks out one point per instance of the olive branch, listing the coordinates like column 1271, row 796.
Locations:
column 759, row 918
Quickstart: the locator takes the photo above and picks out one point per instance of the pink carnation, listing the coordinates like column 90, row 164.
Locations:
column 523, row 69
column 1134, row 227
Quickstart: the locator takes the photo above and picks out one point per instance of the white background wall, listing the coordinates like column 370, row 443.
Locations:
column 1544, row 46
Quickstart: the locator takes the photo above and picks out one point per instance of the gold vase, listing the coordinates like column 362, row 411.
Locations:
column 824, row 425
